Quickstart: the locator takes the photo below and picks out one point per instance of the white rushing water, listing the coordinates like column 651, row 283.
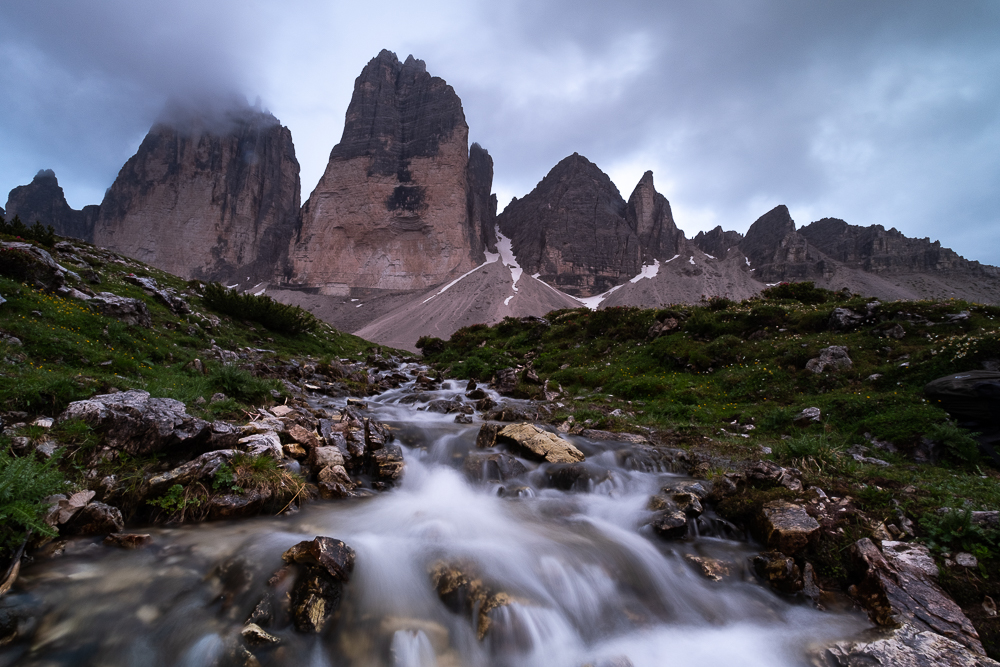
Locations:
column 590, row 582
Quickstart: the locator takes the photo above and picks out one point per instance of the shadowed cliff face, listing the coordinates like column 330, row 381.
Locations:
column 43, row 200
column 212, row 196
column 575, row 229
column 402, row 204
column 879, row 251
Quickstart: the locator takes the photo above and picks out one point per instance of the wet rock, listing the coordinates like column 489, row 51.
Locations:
column 485, row 404
column 505, row 381
column 134, row 422
column 476, row 394
column 807, row 417
column 463, row 419
column 326, row 566
column 232, row 505
column 495, row 467
column 779, row 570
column 574, row 476
column 463, row 591
column 712, row 569
column 376, row 434
column 95, row 518
column 671, row 524
column 830, row 358
column 303, row 436
column 905, row 596
column 334, row 482
column 255, row 635
column 539, row 443
column 321, row 457
column 128, row 540
column 907, row 646
column 127, row 310
column 386, row 465
column 487, row 436
column 786, row 527
column 448, row 406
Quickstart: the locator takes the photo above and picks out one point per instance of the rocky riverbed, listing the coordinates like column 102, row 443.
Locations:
column 428, row 532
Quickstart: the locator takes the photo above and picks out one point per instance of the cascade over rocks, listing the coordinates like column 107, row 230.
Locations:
column 43, row 201
column 404, row 204
column 211, row 194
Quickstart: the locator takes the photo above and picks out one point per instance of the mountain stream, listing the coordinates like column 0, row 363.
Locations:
column 588, row 582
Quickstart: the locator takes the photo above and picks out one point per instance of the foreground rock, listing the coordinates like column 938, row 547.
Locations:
column 786, row 527
column 462, row 589
column 133, row 422
column 909, row 646
column 895, row 594
column 326, row 566
column 532, row 441
column 30, row 264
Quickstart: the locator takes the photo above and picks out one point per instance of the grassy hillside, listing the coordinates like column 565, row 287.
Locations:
column 56, row 349
column 727, row 382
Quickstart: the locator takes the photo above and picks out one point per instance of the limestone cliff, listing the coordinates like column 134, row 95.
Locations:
column 43, row 200
column 576, row 231
column 401, row 206
column 211, row 195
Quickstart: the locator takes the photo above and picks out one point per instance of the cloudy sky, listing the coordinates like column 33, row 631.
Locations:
column 875, row 111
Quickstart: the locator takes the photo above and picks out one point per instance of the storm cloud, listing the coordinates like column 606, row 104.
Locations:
column 875, row 112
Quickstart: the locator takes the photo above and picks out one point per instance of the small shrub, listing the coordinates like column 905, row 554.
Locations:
column 175, row 500
column 954, row 531
column 804, row 292
column 239, row 384
column 262, row 309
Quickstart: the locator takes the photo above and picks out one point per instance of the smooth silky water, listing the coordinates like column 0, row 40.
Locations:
column 591, row 584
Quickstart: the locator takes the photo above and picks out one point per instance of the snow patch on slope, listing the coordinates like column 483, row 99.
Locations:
column 507, row 257
column 490, row 258
column 647, row 271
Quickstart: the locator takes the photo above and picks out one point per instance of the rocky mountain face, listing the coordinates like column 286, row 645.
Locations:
column 576, row 231
column 43, row 200
column 884, row 252
column 403, row 204
column 208, row 195
column 717, row 242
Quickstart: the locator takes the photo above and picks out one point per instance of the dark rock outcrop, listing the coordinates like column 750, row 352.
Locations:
column 403, row 204
column 876, row 250
column 717, row 242
column 211, row 195
column 43, row 201
column 575, row 229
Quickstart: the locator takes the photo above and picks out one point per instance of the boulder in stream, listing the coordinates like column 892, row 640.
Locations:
column 326, row 565
column 495, row 467
column 539, row 443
